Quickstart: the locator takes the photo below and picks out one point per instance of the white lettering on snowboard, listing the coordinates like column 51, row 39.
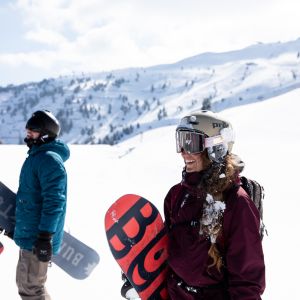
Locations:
column 69, row 254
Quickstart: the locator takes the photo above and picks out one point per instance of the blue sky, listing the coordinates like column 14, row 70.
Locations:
column 42, row 39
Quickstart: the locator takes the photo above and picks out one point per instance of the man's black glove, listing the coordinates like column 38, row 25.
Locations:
column 43, row 247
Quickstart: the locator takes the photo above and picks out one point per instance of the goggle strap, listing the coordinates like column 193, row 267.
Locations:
column 213, row 141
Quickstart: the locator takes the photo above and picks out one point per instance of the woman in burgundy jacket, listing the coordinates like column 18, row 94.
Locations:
column 215, row 250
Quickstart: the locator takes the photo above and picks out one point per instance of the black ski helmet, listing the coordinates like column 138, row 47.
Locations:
column 45, row 122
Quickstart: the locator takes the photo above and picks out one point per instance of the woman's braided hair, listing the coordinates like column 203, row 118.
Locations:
column 217, row 178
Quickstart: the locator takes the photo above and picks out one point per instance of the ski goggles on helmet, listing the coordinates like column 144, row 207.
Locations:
column 195, row 142
column 189, row 141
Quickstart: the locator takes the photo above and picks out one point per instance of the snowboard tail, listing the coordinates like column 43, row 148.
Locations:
column 137, row 239
column 76, row 258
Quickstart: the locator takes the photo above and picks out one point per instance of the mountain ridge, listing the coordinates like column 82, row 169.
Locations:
column 111, row 106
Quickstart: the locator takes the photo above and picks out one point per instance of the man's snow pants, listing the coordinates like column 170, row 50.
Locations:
column 31, row 277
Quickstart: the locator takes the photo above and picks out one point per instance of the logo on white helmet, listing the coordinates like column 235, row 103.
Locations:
column 220, row 125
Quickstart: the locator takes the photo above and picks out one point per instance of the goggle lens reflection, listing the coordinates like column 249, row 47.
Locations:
column 189, row 141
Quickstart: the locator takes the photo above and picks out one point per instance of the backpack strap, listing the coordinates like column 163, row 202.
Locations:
column 256, row 193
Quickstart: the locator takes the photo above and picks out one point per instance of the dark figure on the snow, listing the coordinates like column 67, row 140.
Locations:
column 215, row 249
column 40, row 204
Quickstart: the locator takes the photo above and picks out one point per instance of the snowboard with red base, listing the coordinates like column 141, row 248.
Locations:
column 1, row 247
column 137, row 239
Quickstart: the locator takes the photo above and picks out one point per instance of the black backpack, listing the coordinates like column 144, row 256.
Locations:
column 257, row 194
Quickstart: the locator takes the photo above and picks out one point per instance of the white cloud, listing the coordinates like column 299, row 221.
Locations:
column 41, row 59
column 99, row 34
column 45, row 36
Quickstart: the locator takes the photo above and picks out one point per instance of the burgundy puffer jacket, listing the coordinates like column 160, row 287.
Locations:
column 243, row 278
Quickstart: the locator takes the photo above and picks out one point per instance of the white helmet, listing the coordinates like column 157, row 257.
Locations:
column 202, row 130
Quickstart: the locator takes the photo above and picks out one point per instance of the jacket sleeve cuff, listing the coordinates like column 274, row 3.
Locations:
column 45, row 236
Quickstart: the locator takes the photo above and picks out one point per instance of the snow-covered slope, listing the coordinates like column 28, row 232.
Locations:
column 109, row 107
column 267, row 140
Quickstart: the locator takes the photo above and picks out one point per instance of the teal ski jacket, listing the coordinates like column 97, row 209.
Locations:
column 42, row 195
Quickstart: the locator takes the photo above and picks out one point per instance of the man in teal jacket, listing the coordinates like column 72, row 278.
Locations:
column 40, row 204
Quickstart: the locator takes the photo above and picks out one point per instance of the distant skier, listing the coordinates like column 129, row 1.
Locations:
column 215, row 250
column 40, row 204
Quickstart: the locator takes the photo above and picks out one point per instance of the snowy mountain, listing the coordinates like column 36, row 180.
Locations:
column 109, row 107
column 148, row 165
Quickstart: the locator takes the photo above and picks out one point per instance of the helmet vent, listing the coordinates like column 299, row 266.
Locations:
column 193, row 120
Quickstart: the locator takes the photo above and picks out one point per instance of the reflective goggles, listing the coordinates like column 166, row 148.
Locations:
column 195, row 142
